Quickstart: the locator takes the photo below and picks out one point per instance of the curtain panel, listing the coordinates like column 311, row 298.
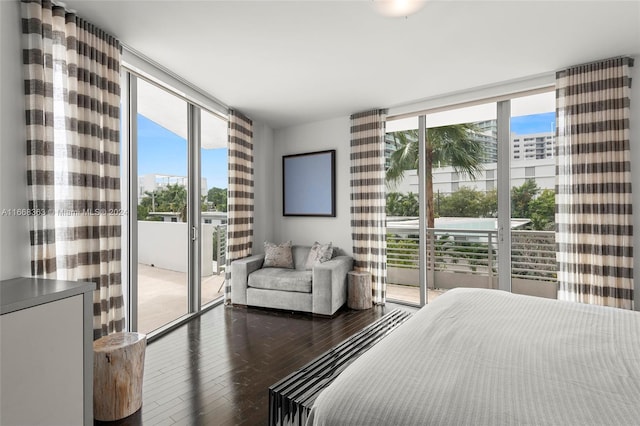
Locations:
column 240, row 194
column 368, row 198
column 594, row 232
column 72, row 88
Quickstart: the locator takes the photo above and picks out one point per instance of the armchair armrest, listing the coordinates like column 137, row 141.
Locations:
column 329, row 285
column 240, row 270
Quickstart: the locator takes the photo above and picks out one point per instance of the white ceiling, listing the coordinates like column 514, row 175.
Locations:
column 292, row 62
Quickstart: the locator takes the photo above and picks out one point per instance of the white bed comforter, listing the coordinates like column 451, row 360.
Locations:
column 487, row 357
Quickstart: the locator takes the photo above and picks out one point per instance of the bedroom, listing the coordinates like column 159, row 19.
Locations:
column 277, row 135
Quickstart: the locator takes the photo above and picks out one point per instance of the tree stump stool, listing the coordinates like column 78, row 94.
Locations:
column 118, row 366
column 359, row 290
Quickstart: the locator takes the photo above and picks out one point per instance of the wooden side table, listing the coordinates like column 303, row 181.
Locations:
column 118, row 362
column 359, row 290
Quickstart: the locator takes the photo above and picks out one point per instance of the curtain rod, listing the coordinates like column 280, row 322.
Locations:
column 629, row 57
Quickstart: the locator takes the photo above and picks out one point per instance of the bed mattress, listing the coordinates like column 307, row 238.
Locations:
column 488, row 357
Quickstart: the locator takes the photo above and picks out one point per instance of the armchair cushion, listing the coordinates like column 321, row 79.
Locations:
column 281, row 279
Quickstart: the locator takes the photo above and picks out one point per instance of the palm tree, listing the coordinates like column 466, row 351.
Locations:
column 453, row 145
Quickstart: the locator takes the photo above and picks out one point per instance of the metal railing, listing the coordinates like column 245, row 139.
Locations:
column 474, row 252
column 220, row 250
column 533, row 255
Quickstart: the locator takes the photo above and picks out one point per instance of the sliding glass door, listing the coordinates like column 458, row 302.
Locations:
column 162, row 207
column 476, row 207
column 461, row 196
column 178, row 178
column 213, row 229
column 533, row 178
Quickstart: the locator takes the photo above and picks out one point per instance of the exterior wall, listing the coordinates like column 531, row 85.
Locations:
column 543, row 171
column 164, row 245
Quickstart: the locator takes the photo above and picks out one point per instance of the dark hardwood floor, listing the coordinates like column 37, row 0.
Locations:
column 217, row 369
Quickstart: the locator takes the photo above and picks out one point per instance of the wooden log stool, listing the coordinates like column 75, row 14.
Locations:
column 118, row 366
column 359, row 290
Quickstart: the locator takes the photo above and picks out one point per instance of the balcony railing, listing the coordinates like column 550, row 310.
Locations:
column 452, row 252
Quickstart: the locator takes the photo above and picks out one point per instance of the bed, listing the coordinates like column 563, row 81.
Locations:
column 488, row 357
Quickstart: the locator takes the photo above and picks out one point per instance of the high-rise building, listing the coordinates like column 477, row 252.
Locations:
column 488, row 135
column 533, row 146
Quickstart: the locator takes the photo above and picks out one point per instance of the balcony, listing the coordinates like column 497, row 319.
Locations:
column 162, row 271
column 469, row 258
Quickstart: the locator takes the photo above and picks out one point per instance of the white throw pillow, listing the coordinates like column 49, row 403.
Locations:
column 319, row 253
column 277, row 256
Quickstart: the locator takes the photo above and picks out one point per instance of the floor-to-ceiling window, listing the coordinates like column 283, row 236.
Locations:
column 403, row 228
column 475, row 191
column 177, row 178
column 533, row 177
column 213, row 160
column 162, row 207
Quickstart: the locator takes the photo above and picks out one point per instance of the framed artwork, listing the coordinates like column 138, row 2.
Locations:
column 309, row 184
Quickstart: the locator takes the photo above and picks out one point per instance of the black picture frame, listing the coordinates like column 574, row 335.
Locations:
column 309, row 184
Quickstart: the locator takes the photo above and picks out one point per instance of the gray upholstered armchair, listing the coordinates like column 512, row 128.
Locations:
column 321, row 290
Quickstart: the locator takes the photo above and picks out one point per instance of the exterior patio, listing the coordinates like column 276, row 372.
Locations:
column 162, row 295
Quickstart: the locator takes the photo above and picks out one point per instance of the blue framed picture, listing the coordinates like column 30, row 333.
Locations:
column 309, row 184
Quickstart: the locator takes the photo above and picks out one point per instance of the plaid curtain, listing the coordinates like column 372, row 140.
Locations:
column 594, row 232
column 368, row 202
column 72, row 88
column 240, row 194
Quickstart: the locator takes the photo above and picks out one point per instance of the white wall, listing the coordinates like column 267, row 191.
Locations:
column 164, row 245
column 318, row 136
column 264, row 203
column 635, row 173
column 14, row 230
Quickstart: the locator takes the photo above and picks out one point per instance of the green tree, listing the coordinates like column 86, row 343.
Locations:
column 452, row 145
column 543, row 210
column 402, row 204
column 172, row 198
column 465, row 202
column 143, row 212
column 489, row 204
column 218, row 196
column 521, row 198
column 468, row 202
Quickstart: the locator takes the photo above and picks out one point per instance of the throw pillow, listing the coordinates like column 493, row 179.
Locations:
column 319, row 253
column 277, row 256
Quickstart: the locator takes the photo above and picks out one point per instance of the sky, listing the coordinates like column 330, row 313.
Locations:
column 161, row 151
column 536, row 123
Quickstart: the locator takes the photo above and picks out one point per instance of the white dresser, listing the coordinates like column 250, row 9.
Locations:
column 46, row 357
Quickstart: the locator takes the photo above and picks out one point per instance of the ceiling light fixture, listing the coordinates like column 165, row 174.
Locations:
column 397, row 8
